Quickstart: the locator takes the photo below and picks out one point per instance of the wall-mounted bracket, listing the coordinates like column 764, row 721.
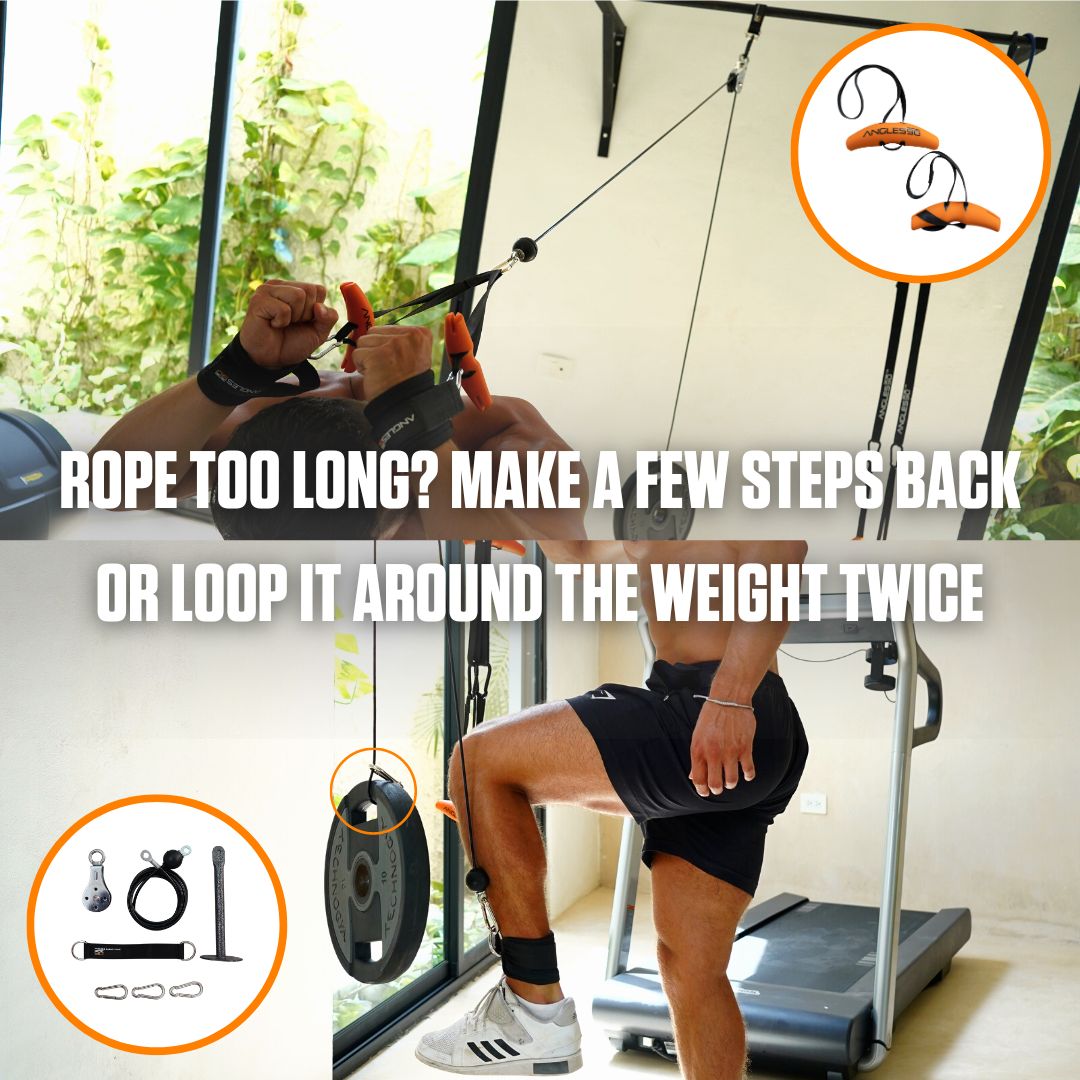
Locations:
column 614, row 32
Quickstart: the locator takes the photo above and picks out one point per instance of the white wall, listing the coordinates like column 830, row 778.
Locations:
column 790, row 338
column 993, row 822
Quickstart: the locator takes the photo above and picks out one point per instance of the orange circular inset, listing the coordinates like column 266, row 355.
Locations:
column 373, row 832
column 31, row 937
column 796, row 130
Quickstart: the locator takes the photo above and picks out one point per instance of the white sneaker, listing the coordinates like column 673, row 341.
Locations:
column 502, row 1036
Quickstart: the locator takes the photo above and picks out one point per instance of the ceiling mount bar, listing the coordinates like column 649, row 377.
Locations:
column 614, row 31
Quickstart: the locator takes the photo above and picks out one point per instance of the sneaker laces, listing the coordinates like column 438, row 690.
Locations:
column 475, row 1016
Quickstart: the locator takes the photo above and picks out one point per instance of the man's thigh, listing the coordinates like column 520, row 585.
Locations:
column 547, row 752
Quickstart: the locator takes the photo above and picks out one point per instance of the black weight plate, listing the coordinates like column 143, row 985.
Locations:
column 377, row 887
column 652, row 522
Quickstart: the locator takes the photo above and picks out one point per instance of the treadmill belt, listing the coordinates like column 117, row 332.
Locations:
column 815, row 947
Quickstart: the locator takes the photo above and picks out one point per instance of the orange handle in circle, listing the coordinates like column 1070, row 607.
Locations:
column 955, row 213
column 460, row 347
column 891, row 134
column 358, row 310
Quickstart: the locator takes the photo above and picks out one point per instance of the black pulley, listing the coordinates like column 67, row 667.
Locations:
column 652, row 522
column 377, row 887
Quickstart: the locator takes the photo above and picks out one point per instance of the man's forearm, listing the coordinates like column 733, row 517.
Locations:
column 584, row 551
column 752, row 647
column 181, row 419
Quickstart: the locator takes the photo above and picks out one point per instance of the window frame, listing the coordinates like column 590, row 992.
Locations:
column 387, row 1021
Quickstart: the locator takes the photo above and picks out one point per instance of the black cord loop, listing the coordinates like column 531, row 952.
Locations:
column 167, row 872
column 901, row 98
column 933, row 155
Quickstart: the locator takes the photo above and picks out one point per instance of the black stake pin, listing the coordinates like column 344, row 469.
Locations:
column 218, row 856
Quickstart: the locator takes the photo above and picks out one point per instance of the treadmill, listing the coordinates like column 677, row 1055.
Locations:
column 819, row 984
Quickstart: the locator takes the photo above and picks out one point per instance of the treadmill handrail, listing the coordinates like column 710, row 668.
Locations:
column 928, row 672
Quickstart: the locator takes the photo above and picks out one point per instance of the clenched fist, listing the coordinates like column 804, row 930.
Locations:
column 286, row 322
column 388, row 355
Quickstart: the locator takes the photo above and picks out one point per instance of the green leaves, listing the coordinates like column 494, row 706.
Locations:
column 438, row 248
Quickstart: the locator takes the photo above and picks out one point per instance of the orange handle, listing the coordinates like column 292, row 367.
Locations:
column 892, row 133
column 446, row 807
column 515, row 547
column 955, row 211
column 460, row 347
column 358, row 310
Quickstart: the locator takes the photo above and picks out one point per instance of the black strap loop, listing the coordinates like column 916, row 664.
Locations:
column 905, row 407
column 901, row 98
column 145, row 950
column 887, row 375
column 934, row 155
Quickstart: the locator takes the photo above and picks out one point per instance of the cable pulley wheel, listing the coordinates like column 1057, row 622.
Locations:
column 377, row 888
column 652, row 522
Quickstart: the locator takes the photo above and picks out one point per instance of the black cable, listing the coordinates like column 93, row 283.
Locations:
column 374, row 667
column 933, row 155
column 827, row 660
column 167, row 872
column 457, row 719
column 637, row 157
column 701, row 272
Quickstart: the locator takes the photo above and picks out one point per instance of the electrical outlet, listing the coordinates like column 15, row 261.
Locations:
column 813, row 802
column 556, row 367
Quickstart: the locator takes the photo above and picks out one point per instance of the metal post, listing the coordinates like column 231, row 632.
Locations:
column 213, row 204
column 888, row 939
column 614, row 40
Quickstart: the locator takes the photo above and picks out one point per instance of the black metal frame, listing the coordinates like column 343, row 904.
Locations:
column 1029, row 318
column 614, row 38
column 3, row 38
column 213, row 204
column 1017, row 47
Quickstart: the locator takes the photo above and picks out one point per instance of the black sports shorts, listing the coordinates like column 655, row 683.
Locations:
column 644, row 735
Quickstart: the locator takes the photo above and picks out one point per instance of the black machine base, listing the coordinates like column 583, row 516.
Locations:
column 803, row 974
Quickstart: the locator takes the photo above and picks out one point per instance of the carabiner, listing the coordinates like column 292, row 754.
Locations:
column 101, row 992
column 175, row 991
column 149, row 986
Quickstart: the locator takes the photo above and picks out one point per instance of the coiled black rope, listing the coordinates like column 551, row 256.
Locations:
column 167, row 872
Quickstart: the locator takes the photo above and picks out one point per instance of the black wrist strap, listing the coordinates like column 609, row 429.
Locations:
column 233, row 377
column 415, row 414
column 149, row 950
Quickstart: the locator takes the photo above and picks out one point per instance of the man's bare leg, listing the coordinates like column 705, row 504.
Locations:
column 542, row 755
column 696, row 916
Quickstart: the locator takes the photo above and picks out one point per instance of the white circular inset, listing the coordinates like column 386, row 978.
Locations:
column 153, row 1021
column 986, row 118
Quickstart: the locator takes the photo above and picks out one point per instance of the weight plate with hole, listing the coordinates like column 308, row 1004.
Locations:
column 652, row 522
column 377, row 888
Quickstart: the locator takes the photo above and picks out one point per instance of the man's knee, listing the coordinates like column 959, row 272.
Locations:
column 475, row 764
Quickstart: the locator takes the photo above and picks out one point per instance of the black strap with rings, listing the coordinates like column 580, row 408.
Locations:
column 166, row 870
column 143, row 950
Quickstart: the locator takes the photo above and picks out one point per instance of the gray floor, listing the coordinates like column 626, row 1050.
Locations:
column 1007, row 1009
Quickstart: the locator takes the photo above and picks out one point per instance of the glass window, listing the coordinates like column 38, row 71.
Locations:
column 348, row 160
column 101, row 176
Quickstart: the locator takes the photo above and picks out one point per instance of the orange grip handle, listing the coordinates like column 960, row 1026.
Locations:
column 515, row 547
column 903, row 133
column 460, row 347
column 955, row 211
column 445, row 806
column 358, row 310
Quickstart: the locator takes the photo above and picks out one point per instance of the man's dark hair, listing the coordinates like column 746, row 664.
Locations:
column 302, row 423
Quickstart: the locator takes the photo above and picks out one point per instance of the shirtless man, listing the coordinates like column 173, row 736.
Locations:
column 703, row 759
column 285, row 323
